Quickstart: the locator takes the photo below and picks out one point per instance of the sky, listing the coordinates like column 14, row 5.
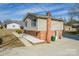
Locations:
column 17, row 11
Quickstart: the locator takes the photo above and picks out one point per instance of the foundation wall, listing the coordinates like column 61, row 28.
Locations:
column 33, row 33
column 42, row 35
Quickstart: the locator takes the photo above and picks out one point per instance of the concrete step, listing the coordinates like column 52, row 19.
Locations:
column 32, row 39
column 26, row 43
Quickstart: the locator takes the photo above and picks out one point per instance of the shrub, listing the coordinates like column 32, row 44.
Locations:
column 77, row 31
column 1, row 41
column 21, row 27
column 1, row 27
column 19, row 31
column 5, row 25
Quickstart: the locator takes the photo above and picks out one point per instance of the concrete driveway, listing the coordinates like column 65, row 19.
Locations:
column 64, row 47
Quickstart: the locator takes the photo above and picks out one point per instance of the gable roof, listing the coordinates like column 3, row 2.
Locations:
column 41, row 16
column 76, row 25
column 13, row 23
column 17, row 22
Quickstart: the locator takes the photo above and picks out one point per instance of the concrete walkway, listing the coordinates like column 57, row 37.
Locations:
column 32, row 39
column 28, row 39
column 26, row 43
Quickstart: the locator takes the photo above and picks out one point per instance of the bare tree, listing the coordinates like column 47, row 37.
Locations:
column 7, row 21
column 73, row 12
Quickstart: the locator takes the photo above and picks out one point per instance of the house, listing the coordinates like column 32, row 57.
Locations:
column 13, row 26
column 43, row 27
column 69, row 28
column 76, row 25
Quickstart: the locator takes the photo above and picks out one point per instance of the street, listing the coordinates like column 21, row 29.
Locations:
column 71, row 36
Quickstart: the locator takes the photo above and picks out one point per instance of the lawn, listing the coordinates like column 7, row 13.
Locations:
column 9, row 40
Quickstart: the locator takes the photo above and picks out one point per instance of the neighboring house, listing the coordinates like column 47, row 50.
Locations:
column 13, row 26
column 76, row 25
column 69, row 28
column 43, row 27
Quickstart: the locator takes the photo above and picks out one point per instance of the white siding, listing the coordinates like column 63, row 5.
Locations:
column 56, row 25
column 28, row 24
column 29, row 27
column 13, row 26
column 41, row 24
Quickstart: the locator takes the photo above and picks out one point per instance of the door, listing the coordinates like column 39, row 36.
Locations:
column 56, row 34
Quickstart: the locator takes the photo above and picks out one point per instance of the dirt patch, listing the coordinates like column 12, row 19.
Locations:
column 9, row 40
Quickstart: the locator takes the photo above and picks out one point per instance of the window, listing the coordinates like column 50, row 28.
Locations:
column 13, row 25
column 33, row 22
column 26, row 23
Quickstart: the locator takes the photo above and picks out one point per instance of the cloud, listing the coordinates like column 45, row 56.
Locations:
column 61, row 12
column 38, row 8
column 17, row 11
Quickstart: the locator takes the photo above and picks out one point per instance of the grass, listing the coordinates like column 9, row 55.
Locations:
column 9, row 40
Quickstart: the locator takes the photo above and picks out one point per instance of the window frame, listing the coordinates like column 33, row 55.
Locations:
column 33, row 22
column 26, row 23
